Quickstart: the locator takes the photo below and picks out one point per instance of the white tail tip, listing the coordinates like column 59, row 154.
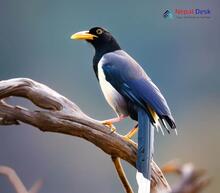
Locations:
column 143, row 183
column 176, row 132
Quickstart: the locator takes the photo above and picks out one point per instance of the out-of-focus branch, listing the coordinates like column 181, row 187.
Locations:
column 17, row 183
column 191, row 180
column 14, row 179
column 36, row 186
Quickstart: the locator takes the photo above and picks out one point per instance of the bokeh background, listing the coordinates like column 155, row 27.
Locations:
column 181, row 56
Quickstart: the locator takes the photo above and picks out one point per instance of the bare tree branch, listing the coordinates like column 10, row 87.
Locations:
column 16, row 181
column 192, row 180
column 36, row 186
column 60, row 115
column 122, row 175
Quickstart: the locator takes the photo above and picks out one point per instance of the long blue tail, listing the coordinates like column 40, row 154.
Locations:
column 145, row 151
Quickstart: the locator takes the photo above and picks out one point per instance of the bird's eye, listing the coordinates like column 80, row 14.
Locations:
column 99, row 31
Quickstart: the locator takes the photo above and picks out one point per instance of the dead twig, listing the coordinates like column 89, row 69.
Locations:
column 191, row 180
column 16, row 181
column 122, row 175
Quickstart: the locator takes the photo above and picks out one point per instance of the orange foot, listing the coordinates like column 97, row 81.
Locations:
column 109, row 122
column 110, row 125
column 131, row 133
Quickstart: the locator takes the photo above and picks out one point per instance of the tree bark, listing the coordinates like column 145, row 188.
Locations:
column 60, row 115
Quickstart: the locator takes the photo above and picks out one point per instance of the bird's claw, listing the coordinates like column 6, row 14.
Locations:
column 110, row 125
column 126, row 138
column 113, row 129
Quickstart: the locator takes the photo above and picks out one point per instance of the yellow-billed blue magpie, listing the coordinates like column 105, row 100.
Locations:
column 130, row 92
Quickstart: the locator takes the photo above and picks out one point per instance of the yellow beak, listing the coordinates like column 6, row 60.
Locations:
column 83, row 35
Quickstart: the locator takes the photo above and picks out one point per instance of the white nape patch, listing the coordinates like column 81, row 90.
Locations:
column 143, row 183
column 112, row 96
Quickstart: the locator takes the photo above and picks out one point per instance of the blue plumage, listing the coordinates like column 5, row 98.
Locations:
column 130, row 80
column 145, row 143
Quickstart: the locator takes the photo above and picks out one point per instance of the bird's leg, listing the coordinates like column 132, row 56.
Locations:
column 131, row 133
column 109, row 122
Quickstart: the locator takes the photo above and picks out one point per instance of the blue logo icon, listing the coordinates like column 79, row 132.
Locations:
column 168, row 14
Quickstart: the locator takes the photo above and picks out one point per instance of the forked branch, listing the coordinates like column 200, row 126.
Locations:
column 16, row 181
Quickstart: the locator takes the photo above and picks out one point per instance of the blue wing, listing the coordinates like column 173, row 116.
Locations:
column 130, row 80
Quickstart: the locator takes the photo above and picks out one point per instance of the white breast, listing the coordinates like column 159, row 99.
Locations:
column 112, row 96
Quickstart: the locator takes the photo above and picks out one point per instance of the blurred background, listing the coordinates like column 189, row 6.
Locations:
column 180, row 55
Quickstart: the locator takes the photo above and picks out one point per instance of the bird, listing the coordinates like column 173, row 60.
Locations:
column 130, row 93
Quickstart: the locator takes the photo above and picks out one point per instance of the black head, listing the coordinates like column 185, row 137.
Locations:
column 100, row 38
